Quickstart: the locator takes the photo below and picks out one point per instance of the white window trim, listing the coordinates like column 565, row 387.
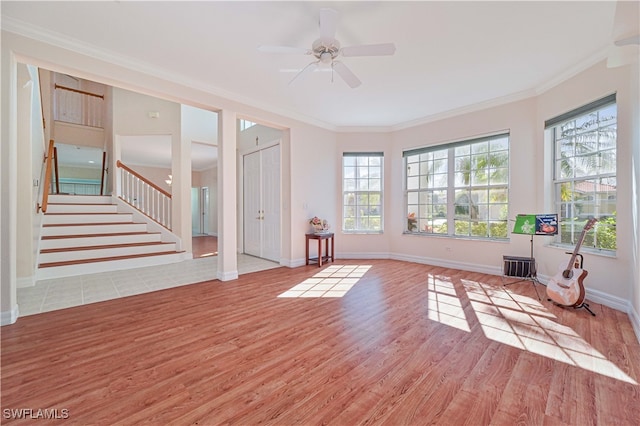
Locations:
column 363, row 231
column 549, row 170
column 450, row 146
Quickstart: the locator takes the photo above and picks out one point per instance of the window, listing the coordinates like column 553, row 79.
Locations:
column 245, row 124
column 362, row 192
column 459, row 189
column 584, row 173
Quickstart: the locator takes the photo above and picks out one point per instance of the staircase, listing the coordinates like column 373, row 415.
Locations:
column 84, row 234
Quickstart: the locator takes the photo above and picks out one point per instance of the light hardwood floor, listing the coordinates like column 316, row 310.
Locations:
column 409, row 344
column 204, row 246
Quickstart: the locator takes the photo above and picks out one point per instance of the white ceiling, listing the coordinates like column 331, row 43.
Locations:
column 79, row 156
column 155, row 151
column 147, row 150
column 450, row 56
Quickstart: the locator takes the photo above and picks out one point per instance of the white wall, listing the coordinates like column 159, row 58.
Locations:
column 634, row 90
column 25, row 201
column 8, row 187
column 312, row 172
column 366, row 245
column 264, row 135
column 609, row 275
column 130, row 118
column 611, row 280
column 209, row 178
column 131, row 114
column 199, row 125
column 315, row 174
column 479, row 255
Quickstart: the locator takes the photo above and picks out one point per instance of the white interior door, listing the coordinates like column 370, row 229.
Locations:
column 204, row 202
column 271, row 203
column 195, row 212
column 262, row 203
column 252, row 204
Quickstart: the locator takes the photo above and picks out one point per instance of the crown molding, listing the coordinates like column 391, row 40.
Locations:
column 30, row 31
column 572, row 71
column 56, row 39
column 467, row 109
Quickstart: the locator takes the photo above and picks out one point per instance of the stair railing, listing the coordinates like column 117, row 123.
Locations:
column 78, row 106
column 104, row 172
column 56, row 173
column 143, row 195
column 42, row 207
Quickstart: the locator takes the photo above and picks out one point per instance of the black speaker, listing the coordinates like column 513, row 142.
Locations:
column 522, row 267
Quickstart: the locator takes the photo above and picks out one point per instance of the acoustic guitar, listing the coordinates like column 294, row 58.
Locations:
column 566, row 288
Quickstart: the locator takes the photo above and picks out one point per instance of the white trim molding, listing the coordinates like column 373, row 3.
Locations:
column 472, row 267
column 635, row 321
column 227, row 276
column 25, row 282
column 9, row 317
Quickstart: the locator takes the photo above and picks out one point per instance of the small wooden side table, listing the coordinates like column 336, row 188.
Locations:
column 327, row 237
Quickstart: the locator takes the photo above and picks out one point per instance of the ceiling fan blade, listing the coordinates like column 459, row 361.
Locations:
column 285, row 50
column 309, row 68
column 346, row 74
column 328, row 24
column 369, row 50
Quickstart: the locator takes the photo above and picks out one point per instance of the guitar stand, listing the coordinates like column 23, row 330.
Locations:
column 583, row 304
column 586, row 306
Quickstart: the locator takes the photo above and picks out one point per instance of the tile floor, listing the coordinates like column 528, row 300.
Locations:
column 60, row 293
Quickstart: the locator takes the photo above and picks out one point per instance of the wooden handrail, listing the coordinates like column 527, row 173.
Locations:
column 82, row 92
column 47, row 179
column 142, row 178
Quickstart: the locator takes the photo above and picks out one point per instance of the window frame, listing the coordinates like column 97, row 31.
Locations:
column 608, row 219
column 347, row 191
column 419, row 199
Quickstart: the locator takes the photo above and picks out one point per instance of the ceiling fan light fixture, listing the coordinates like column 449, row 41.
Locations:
column 326, row 50
column 326, row 58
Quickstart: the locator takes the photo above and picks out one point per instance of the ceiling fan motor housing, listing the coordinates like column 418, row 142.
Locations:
column 326, row 51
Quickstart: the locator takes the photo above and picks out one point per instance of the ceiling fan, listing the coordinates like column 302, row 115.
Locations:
column 326, row 50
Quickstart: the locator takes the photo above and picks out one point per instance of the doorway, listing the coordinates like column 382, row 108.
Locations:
column 200, row 211
column 261, row 201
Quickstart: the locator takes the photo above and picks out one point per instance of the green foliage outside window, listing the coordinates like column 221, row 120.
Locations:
column 459, row 189
column 585, row 174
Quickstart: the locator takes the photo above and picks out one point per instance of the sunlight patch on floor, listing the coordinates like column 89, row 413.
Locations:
column 215, row 253
column 444, row 304
column 333, row 281
column 524, row 323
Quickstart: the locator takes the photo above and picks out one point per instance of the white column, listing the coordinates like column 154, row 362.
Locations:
column 8, row 190
column 181, row 189
column 227, row 201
